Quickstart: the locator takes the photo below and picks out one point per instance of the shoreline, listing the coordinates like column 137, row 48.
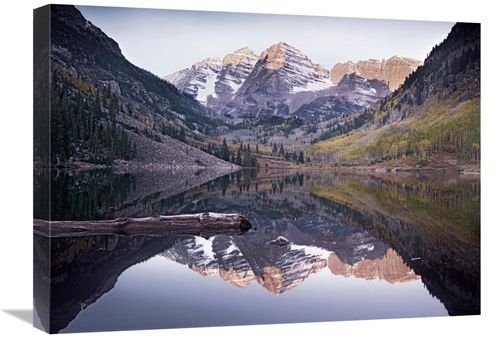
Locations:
column 439, row 164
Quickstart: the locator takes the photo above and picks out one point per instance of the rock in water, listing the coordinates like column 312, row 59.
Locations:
column 280, row 241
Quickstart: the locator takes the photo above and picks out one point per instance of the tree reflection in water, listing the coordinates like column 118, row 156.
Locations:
column 396, row 227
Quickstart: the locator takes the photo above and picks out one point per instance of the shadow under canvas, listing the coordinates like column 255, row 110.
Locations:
column 27, row 315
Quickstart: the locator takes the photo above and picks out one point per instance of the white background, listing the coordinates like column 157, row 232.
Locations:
column 16, row 170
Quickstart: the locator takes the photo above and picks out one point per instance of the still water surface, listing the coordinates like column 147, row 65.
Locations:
column 362, row 246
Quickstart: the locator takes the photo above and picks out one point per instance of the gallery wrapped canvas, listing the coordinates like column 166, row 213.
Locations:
column 201, row 169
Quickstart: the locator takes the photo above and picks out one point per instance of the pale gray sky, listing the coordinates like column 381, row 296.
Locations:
column 163, row 41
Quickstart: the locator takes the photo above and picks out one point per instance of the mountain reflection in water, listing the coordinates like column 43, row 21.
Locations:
column 391, row 227
column 222, row 257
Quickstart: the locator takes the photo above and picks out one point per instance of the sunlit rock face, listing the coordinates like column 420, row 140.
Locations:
column 281, row 71
column 295, row 266
column 390, row 268
column 299, row 70
column 233, row 266
column 235, row 69
column 393, row 71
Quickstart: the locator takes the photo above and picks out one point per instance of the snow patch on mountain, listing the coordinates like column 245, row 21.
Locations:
column 199, row 80
column 231, row 251
column 208, row 89
column 312, row 251
column 205, row 245
column 212, row 79
column 314, row 86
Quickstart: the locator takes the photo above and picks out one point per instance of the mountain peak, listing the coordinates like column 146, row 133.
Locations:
column 70, row 16
column 282, row 54
column 393, row 71
column 285, row 45
column 355, row 83
column 276, row 55
column 242, row 55
column 208, row 62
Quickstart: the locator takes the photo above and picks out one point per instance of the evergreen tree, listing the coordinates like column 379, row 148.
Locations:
column 247, row 157
column 238, row 160
column 224, row 151
column 281, row 151
column 182, row 135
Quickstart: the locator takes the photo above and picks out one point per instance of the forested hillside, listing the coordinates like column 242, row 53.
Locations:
column 76, row 112
column 105, row 110
column 435, row 114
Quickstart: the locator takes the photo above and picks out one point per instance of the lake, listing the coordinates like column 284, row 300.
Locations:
column 362, row 245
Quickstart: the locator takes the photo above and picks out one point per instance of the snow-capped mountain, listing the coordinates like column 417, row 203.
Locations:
column 281, row 72
column 212, row 80
column 244, row 83
column 282, row 64
column 199, row 80
column 235, row 69
column 283, row 81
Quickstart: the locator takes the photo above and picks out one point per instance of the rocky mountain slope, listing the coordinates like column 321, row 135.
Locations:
column 198, row 81
column 393, row 71
column 352, row 94
column 212, row 80
column 106, row 110
column 235, row 69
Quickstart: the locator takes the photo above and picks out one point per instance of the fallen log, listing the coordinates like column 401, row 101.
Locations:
column 204, row 224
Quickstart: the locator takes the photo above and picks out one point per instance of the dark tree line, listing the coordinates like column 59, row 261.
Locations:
column 242, row 156
column 83, row 124
column 173, row 131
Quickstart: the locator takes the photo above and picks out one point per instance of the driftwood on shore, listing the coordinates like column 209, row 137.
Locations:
column 204, row 224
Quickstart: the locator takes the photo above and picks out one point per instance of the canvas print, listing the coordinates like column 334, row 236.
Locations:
column 201, row 169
